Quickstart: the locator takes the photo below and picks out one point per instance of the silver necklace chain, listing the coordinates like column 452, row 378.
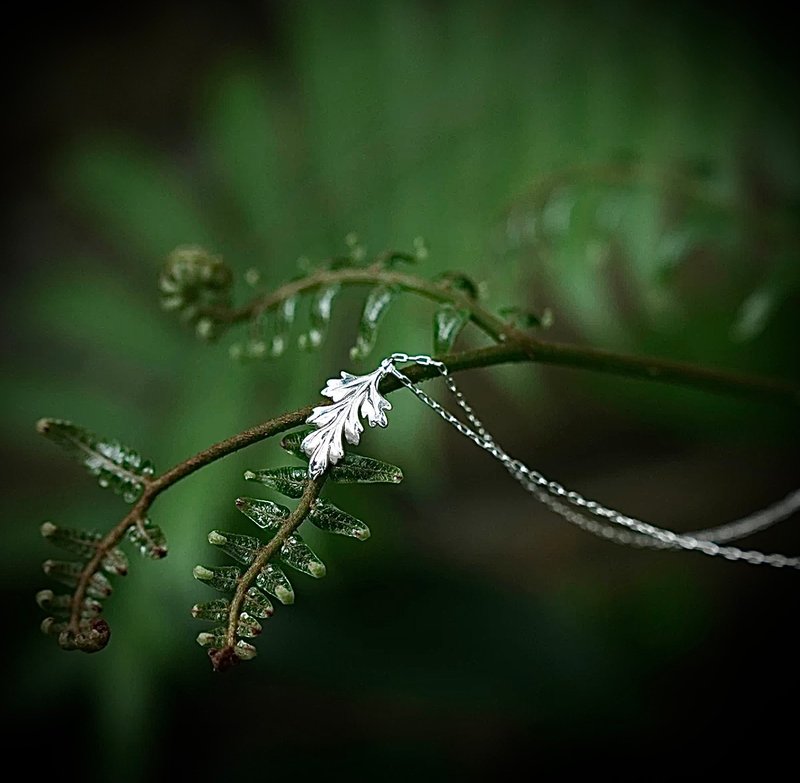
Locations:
column 591, row 516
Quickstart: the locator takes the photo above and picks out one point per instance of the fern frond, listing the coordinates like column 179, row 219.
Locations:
column 74, row 619
column 237, row 617
column 186, row 287
column 84, row 544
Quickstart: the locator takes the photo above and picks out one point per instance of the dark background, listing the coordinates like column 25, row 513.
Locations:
column 635, row 170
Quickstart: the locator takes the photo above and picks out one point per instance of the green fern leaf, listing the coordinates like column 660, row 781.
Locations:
column 375, row 308
column 222, row 578
column 291, row 443
column 244, row 651
column 248, row 626
column 52, row 626
column 78, row 542
column 61, row 605
column 263, row 513
column 149, row 539
column 272, row 580
column 458, row 281
column 257, row 604
column 114, row 465
column 297, row 554
column 68, row 573
column 236, row 546
column 214, row 638
column 216, row 610
column 284, row 318
column 448, row 321
column 84, row 543
column 357, row 469
column 331, row 519
column 320, row 317
column 290, row 549
column 288, row 481
column 352, row 468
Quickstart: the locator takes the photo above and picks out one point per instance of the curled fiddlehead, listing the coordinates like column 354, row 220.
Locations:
column 203, row 299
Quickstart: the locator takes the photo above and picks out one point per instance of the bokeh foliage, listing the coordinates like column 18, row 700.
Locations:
column 634, row 170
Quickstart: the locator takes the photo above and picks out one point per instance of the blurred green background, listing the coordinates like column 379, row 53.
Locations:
column 635, row 170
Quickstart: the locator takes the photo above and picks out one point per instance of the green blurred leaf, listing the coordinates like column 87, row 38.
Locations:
column 753, row 315
column 246, row 151
column 72, row 304
column 140, row 200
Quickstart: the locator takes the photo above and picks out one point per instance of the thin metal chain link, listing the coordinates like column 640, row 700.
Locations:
column 614, row 526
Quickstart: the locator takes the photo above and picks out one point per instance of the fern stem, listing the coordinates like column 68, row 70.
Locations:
column 518, row 347
column 523, row 347
column 268, row 551
column 228, row 446
column 492, row 325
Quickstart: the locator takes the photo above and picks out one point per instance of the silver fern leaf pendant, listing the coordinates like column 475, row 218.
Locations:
column 351, row 395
